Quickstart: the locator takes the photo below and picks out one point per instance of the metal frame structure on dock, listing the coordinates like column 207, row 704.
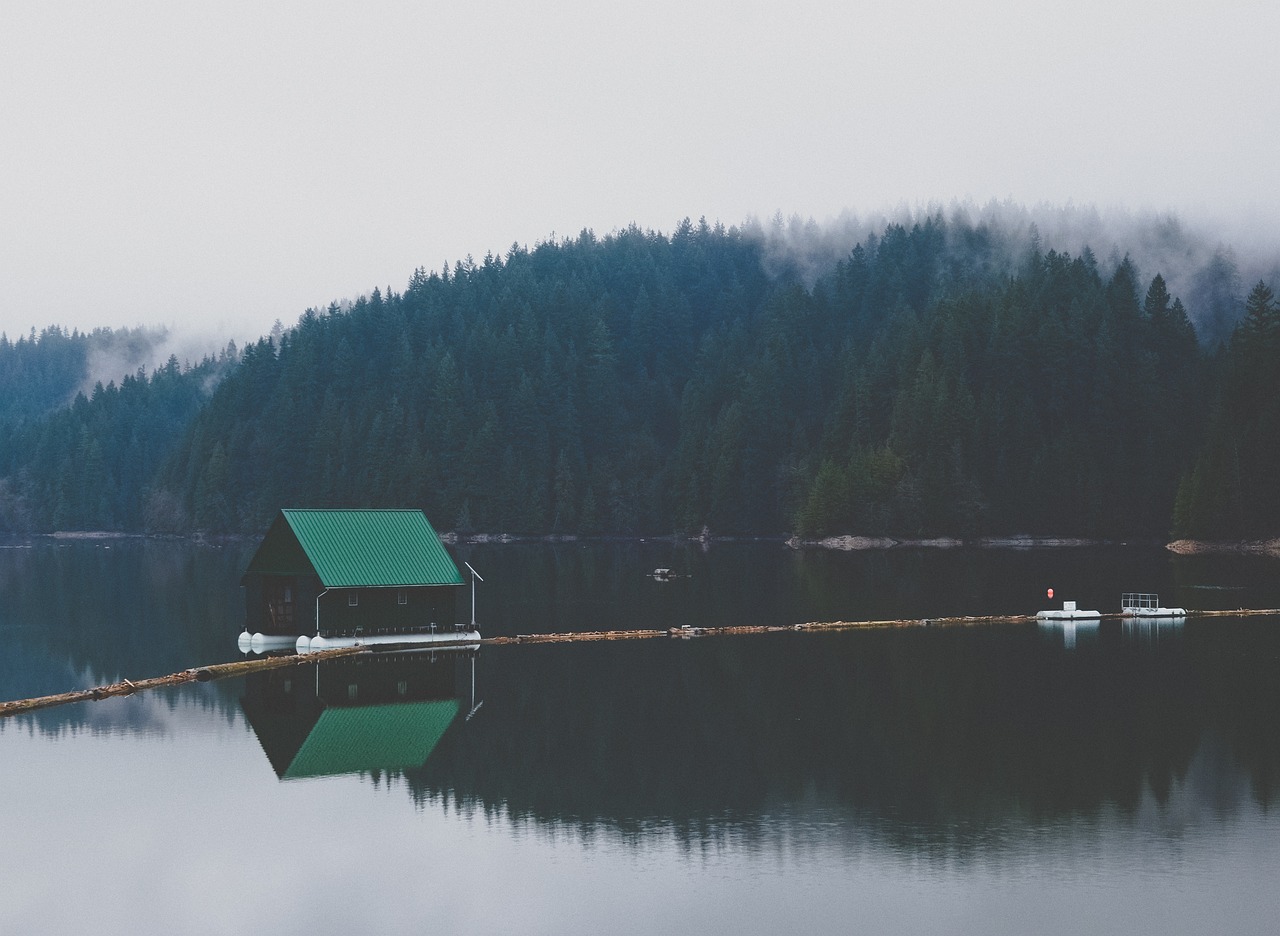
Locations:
column 1146, row 604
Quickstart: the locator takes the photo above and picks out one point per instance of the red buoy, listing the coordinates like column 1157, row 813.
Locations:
column 1051, row 593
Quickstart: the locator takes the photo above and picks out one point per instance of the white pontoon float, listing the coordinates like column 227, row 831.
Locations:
column 265, row 643
column 1069, row 612
column 448, row 638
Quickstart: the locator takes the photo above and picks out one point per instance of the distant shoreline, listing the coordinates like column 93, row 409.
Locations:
column 1189, row 547
column 847, row 543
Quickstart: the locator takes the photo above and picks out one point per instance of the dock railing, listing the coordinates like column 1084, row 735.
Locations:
column 1138, row 600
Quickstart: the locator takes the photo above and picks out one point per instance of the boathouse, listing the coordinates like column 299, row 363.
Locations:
column 350, row 572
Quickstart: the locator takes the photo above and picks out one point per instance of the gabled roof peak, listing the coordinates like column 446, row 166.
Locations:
column 365, row 547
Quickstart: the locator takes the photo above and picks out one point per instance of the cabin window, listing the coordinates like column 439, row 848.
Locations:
column 279, row 598
column 353, row 599
column 402, row 597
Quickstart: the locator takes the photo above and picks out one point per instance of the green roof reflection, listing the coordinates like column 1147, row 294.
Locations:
column 372, row 737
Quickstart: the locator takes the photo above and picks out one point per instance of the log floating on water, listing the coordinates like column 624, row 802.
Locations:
column 729, row 631
column 242, row 667
column 823, row 626
column 575, row 637
column 196, row 674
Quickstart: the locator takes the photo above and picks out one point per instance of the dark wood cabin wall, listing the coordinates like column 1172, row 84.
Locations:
column 378, row 609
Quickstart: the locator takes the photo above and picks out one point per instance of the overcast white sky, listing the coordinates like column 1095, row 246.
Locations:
column 219, row 165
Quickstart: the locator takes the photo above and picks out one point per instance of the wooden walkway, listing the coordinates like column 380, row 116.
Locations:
column 242, row 667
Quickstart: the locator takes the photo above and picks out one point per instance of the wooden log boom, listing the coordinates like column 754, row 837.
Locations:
column 199, row 674
column 242, row 667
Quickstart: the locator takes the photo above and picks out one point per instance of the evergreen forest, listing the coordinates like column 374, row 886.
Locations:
column 939, row 379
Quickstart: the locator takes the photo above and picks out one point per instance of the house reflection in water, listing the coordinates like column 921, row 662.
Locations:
column 376, row 712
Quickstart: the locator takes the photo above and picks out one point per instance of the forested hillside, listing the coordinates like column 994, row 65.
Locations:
column 40, row 373
column 938, row 380
column 89, row 465
column 1234, row 489
column 645, row 384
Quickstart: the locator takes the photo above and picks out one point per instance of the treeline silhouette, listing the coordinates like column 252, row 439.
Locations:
column 937, row 381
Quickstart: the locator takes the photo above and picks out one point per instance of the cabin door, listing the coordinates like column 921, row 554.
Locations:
column 280, row 596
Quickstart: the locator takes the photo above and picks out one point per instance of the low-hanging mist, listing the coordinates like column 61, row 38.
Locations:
column 1208, row 263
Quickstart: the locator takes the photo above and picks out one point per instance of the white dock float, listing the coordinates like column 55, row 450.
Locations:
column 1069, row 612
column 261, row 643
column 1147, row 605
column 305, row 644
column 264, row 643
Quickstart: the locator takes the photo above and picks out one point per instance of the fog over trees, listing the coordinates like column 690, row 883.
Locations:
column 964, row 372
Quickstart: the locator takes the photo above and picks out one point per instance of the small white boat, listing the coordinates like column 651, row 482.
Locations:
column 1069, row 612
column 1146, row 604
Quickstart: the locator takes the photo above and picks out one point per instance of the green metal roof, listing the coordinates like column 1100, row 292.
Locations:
column 357, row 548
column 372, row 737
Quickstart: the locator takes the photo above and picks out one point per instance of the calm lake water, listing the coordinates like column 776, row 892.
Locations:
column 985, row 780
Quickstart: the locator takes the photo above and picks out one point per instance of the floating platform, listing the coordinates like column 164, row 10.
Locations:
column 1147, row 605
column 265, row 643
column 451, row 638
column 1069, row 612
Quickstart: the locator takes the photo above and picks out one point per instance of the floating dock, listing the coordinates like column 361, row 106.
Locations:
column 268, row 643
column 451, row 638
column 1147, row 604
column 1069, row 612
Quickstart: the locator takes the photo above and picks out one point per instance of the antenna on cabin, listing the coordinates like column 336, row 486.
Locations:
column 474, row 575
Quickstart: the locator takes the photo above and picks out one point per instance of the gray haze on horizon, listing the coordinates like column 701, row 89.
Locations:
column 213, row 167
